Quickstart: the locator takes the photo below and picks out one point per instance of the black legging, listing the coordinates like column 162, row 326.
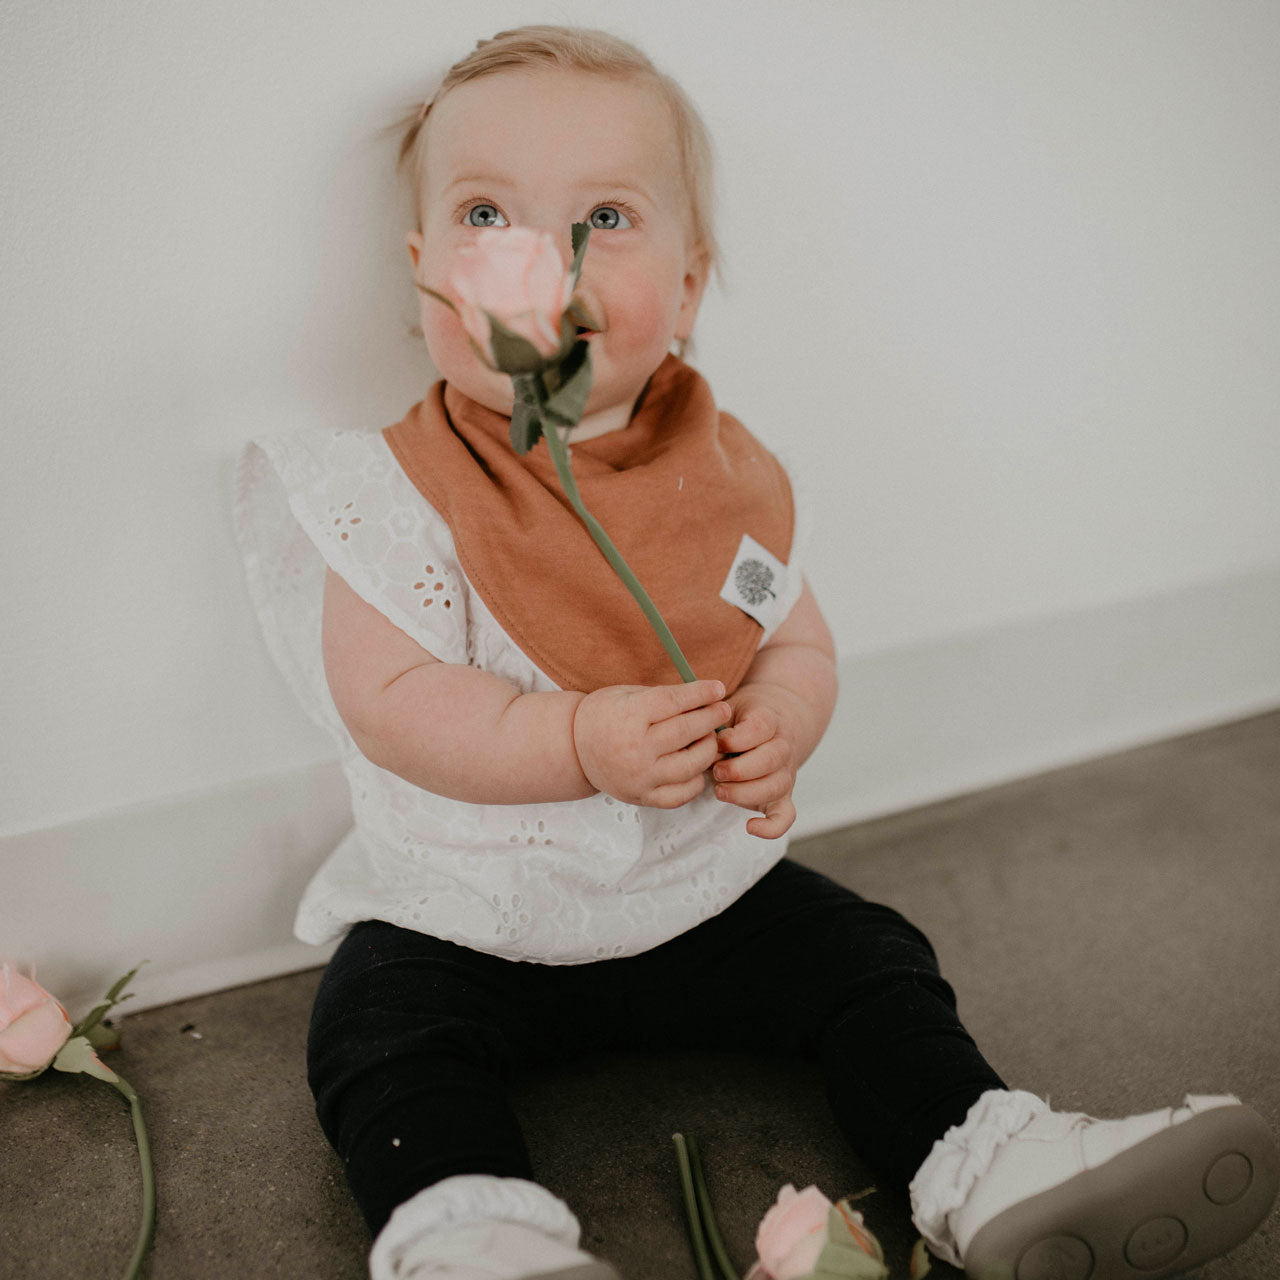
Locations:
column 413, row 1040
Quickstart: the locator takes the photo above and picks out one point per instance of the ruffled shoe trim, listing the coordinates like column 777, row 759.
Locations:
column 962, row 1156
column 461, row 1201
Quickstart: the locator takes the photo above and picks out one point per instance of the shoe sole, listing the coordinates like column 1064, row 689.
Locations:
column 1176, row 1199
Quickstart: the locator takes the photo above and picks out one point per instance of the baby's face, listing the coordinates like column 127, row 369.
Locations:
column 545, row 149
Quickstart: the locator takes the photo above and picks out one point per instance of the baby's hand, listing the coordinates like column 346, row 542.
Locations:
column 762, row 771
column 650, row 744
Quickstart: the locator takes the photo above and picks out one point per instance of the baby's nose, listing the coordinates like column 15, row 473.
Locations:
column 586, row 312
column 560, row 234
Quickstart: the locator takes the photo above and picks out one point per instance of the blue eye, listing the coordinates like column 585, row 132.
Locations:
column 485, row 215
column 608, row 218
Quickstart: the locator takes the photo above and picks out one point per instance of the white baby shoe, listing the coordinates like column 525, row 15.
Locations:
column 1024, row 1193
column 476, row 1227
column 497, row 1251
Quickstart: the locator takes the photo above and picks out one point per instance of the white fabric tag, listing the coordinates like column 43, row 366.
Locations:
column 755, row 581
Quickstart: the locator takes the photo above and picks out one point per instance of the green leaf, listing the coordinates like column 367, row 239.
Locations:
column 920, row 1260
column 857, row 1267
column 566, row 404
column 845, row 1227
column 92, row 1018
column 579, row 234
column 851, row 1251
column 552, row 376
column 512, row 353
column 109, row 1002
column 77, row 1056
column 837, row 1262
column 526, row 415
column 114, row 995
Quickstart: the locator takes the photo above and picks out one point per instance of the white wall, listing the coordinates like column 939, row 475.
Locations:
column 1002, row 285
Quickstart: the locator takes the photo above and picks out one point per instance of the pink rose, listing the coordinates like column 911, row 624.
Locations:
column 803, row 1229
column 792, row 1234
column 33, row 1025
column 517, row 276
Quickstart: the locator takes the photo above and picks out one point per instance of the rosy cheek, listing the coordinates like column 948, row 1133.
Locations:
column 456, row 361
column 446, row 341
column 645, row 313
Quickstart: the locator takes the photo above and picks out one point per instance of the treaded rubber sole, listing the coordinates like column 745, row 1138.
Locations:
column 1173, row 1201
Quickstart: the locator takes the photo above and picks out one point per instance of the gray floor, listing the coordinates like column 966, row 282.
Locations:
column 1111, row 930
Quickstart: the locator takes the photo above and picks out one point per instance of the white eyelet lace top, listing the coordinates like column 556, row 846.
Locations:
column 559, row 883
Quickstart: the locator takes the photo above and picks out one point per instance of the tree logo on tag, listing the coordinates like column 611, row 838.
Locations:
column 754, row 581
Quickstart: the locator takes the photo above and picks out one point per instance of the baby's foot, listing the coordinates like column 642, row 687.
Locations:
column 1067, row 1197
column 479, row 1227
column 497, row 1251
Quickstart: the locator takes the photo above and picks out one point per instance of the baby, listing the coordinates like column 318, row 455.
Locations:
column 552, row 853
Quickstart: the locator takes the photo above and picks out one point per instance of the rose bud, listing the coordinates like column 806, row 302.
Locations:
column 792, row 1234
column 517, row 276
column 33, row 1025
column 804, row 1231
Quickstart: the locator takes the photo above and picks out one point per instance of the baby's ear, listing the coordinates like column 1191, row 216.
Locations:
column 414, row 241
column 697, row 267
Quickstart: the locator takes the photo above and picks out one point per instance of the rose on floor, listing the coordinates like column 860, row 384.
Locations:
column 33, row 1026
column 806, row 1237
column 803, row 1236
column 36, row 1034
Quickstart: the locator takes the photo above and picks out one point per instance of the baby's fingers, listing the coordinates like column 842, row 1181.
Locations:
column 688, row 762
column 675, row 794
column 771, row 757
column 664, row 701
column 776, row 820
column 758, row 794
column 686, row 730
column 756, row 726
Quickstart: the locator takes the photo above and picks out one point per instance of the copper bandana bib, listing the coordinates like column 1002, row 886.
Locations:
column 676, row 490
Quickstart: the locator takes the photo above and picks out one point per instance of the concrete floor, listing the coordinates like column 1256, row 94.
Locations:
column 1111, row 929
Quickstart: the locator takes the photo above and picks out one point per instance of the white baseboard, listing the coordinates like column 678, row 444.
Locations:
column 205, row 886
column 202, row 887
column 922, row 723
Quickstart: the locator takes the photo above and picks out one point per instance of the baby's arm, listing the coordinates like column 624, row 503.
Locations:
column 467, row 734
column 780, row 712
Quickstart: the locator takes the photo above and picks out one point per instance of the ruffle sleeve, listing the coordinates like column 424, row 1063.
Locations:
column 339, row 499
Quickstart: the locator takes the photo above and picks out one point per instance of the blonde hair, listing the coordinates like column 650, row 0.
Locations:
column 579, row 49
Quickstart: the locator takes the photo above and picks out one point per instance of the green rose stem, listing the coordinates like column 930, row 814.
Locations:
column 148, row 1228
column 708, row 1213
column 79, row 1055
column 703, row 1231
column 550, row 394
column 560, row 456
column 696, row 1237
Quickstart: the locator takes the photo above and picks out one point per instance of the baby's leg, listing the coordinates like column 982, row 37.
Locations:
column 409, row 1054
column 801, row 964
column 412, row 1044
column 899, row 1066
column 999, row 1182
